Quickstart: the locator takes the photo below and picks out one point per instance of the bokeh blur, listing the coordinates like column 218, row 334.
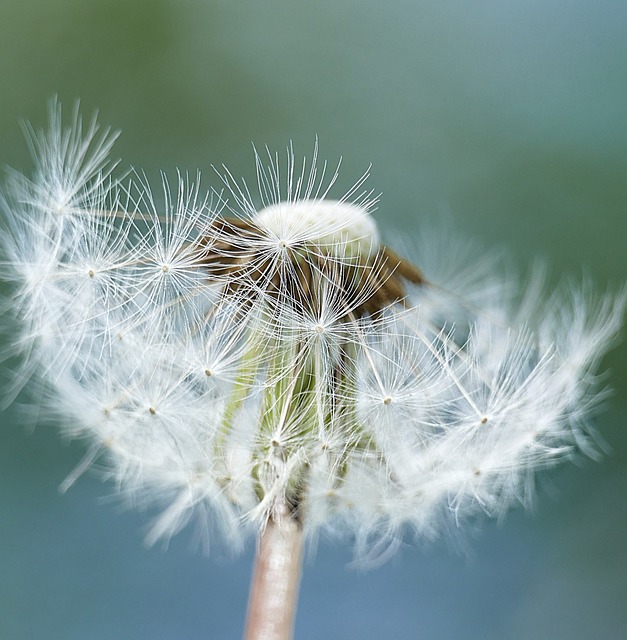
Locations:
column 505, row 118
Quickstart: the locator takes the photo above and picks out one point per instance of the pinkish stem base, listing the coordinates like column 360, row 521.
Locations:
column 275, row 581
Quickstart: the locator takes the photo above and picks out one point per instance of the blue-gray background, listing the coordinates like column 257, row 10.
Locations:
column 505, row 116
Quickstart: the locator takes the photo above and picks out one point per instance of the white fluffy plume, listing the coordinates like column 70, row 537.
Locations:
column 223, row 358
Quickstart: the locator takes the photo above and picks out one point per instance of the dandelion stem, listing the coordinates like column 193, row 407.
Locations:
column 276, row 578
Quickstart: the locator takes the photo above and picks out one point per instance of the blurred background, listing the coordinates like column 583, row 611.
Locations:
column 507, row 118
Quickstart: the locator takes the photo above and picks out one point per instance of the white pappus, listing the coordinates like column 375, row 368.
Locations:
column 224, row 356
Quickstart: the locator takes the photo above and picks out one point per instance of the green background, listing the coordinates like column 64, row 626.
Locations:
column 506, row 118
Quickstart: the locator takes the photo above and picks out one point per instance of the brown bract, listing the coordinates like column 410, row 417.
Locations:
column 242, row 254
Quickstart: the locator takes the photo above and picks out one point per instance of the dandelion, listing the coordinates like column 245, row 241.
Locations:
column 264, row 364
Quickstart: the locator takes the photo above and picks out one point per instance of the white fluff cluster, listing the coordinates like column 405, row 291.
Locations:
column 222, row 360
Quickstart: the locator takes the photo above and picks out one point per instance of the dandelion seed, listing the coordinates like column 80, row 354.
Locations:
column 268, row 365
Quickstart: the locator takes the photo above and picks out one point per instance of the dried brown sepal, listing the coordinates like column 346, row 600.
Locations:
column 232, row 252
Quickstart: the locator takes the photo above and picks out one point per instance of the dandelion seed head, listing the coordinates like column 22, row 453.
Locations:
column 225, row 360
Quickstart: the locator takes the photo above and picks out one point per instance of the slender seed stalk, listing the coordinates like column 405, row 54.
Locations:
column 276, row 579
